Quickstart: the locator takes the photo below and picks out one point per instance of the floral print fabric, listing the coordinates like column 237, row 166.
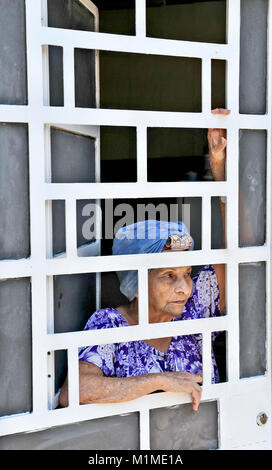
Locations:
column 137, row 357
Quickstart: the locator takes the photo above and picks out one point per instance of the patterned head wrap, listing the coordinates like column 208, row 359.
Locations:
column 148, row 236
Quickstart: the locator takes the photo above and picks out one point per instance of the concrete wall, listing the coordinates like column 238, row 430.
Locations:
column 253, row 65
column 15, row 346
column 14, row 187
column 13, row 70
column 114, row 433
column 252, row 319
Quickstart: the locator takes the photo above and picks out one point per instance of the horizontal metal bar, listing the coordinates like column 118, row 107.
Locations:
column 15, row 268
column 123, row 117
column 30, row 422
column 62, row 265
column 155, row 260
column 133, row 190
column 134, row 333
column 133, row 44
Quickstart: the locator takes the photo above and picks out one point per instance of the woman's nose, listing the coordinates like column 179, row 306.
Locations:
column 182, row 286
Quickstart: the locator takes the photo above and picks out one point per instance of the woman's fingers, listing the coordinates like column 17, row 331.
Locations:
column 196, row 392
column 219, row 145
column 217, row 140
column 185, row 382
column 217, row 137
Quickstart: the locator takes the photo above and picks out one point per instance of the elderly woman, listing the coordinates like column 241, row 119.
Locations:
column 124, row 371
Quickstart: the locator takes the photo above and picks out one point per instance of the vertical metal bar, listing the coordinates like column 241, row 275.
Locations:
column 44, row 11
column 140, row 18
column 50, row 354
column 73, row 377
column 143, row 296
column 233, row 343
column 269, row 208
column 71, row 228
column 37, row 207
column 233, row 65
column 142, row 273
column 141, row 154
column 206, row 222
column 46, row 81
column 69, row 76
column 206, row 86
column 206, row 358
column 144, row 430
column 232, row 216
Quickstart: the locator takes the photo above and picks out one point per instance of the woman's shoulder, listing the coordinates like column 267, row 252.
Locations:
column 205, row 292
column 204, row 298
column 105, row 318
column 206, row 275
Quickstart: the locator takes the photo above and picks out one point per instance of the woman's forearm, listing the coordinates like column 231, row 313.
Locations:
column 101, row 389
column 96, row 388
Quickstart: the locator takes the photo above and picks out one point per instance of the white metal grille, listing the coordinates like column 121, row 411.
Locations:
column 239, row 400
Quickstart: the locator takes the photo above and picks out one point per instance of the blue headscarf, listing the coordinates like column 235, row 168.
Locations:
column 148, row 236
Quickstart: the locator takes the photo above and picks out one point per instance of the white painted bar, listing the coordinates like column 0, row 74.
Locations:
column 122, row 117
column 69, row 77
column 37, row 209
column 206, row 222
column 141, row 154
column 233, row 64
column 73, row 378
column 133, row 44
column 58, row 265
column 269, row 208
column 232, row 216
column 232, row 206
column 38, row 278
column 71, row 228
column 144, row 429
column 136, row 332
column 133, row 190
column 15, row 268
column 46, row 82
column 50, row 330
column 140, row 18
column 206, row 357
column 153, row 260
column 206, row 86
column 49, row 229
column 37, row 421
column 143, row 297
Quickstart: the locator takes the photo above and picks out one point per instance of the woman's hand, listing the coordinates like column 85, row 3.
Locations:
column 183, row 382
column 217, row 144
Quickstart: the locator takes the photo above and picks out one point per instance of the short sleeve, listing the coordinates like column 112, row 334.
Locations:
column 101, row 355
column 205, row 293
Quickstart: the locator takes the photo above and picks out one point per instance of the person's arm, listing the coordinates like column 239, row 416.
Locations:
column 95, row 387
column 217, row 149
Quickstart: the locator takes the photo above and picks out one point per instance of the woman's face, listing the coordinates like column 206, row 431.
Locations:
column 169, row 290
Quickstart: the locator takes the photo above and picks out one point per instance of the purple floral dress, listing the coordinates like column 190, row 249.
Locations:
column 137, row 357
